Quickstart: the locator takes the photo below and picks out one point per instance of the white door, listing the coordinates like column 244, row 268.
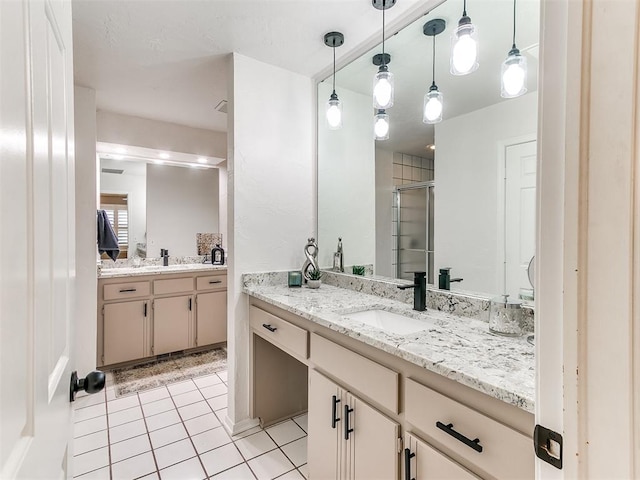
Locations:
column 520, row 215
column 37, row 231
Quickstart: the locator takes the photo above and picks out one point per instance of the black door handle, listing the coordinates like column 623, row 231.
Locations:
column 190, row 301
column 127, row 290
column 347, row 430
column 92, row 383
column 269, row 327
column 145, row 309
column 407, row 464
column 214, row 281
column 334, row 411
column 475, row 444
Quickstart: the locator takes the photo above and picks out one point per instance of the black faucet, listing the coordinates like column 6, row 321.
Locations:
column 419, row 292
column 445, row 280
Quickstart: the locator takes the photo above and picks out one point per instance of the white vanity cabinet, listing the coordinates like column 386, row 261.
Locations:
column 148, row 315
column 348, row 439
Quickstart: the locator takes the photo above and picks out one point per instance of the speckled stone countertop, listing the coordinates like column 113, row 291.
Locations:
column 158, row 270
column 461, row 349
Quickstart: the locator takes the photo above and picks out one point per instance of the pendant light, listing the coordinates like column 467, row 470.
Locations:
column 383, row 80
column 381, row 125
column 514, row 68
column 334, row 106
column 433, row 100
column 464, row 46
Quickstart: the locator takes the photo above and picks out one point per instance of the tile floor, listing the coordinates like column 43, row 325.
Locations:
column 175, row 433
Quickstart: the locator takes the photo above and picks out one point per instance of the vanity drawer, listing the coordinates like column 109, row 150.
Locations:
column 119, row 291
column 279, row 332
column 506, row 453
column 211, row 282
column 174, row 285
column 372, row 379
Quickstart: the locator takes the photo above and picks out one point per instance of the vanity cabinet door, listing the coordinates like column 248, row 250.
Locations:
column 325, row 427
column 211, row 319
column 172, row 330
column 374, row 442
column 426, row 463
column 124, row 331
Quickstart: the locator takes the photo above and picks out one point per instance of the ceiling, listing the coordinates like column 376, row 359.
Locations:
column 166, row 59
column 411, row 54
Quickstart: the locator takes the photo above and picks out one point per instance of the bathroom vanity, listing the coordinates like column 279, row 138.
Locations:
column 446, row 401
column 149, row 311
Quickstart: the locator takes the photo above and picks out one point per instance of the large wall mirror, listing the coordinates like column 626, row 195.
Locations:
column 457, row 194
column 154, row 205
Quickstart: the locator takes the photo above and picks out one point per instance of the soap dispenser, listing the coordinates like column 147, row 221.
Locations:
column 338, row 258
column 217, row 255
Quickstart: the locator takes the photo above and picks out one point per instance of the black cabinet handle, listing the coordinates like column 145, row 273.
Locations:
column 214, row 281
column 475, row 444
column 334, row 411
column 407, row 464
column 269, row 327
column 190, row 302
column 127, row 290
column 145, row 309
column 347, row 430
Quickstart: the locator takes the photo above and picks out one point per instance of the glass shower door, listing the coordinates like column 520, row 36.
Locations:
column 415, row 231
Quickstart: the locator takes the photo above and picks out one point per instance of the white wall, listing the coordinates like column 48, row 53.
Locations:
column 171, row 137
column 466, row 195
column 346, row 180
column 383, row 214
column 180, row 203
column 86, row 233
column 271, row 195
column 133, row 183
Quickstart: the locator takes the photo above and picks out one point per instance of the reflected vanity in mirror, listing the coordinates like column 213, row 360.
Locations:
column 459, row 194
column 155, row 205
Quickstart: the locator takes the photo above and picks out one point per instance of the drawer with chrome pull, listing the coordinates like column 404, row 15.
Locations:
column 495, row 448
column 121, row 291
column 279, row 332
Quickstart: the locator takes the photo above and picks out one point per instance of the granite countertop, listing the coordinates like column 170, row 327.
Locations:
column 158, row 270
column 461, row 349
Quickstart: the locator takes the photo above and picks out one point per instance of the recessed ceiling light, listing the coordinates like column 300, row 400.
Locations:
column 202, row 160
column 164, row 156
column 431, row 146
column 120, row 150
column 118, row 157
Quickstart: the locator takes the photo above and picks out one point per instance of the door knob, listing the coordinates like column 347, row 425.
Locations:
column 92, row 383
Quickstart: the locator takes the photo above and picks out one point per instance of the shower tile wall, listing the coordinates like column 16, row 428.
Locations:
column 407, row 169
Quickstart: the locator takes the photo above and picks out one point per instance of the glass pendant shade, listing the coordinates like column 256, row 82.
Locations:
column 514, row 75
column 433, row 106
column 334, row 112
column 464, row 48
column 383, row 88
column 381, row 125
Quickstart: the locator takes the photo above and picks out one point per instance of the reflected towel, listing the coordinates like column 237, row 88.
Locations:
column 107, row 240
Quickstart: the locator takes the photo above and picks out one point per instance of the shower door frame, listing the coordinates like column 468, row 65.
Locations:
column 396, row 192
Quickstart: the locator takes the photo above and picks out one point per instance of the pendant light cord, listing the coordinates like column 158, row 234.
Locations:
column 464, row 8
column 433, row 64
column 334, row 68
column 514, row 24
column 383, row 9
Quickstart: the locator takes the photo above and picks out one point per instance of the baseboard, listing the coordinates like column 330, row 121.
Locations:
column 239, row 427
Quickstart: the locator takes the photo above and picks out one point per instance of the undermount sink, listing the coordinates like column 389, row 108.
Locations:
column 389, row 321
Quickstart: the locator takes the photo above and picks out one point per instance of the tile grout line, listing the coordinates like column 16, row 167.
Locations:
column 146, row 427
